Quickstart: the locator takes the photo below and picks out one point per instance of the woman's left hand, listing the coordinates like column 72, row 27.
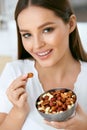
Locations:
column 78, row 122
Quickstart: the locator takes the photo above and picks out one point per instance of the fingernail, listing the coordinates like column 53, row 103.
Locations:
column 25, row 76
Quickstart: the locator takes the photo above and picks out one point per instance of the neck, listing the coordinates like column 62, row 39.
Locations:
column 63, row 71
column 61, row 67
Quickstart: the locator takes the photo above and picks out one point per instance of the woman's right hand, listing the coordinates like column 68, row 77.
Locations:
column 17, row 94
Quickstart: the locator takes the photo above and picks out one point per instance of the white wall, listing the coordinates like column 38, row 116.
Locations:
column 8, row 40
column 83, row 33
column 79, row 2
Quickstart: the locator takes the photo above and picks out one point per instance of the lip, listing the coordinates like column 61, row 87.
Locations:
column 44, row 54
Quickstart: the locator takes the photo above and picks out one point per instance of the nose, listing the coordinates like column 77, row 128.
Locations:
column 38, row 42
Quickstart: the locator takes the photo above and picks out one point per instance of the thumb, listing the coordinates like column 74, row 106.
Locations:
column 24, row 77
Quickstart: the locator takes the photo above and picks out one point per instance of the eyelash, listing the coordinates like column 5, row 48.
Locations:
column 26, row 35
column 46, row 30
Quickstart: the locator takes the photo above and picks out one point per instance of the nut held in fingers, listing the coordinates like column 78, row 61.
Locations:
column 30, row 75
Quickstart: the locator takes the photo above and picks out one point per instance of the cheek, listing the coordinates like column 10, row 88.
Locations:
column 60, row 42
column 57, row 37
column 62, row 39
column 51, row 40
column 55, row 40
column 27, row 46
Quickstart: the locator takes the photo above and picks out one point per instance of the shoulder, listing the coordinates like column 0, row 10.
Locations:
column 14, row 69
column 82, row 78
column 21, row 63
column 19, row 67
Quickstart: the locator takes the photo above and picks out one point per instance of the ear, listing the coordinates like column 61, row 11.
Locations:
column 72, row 23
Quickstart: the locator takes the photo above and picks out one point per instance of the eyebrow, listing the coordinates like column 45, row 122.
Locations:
column 41, row 26
column 45, row 24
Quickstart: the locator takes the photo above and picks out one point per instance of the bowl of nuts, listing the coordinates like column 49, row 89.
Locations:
column 57, row 104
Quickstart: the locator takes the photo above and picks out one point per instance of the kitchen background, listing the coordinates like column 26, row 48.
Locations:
column 8, row 37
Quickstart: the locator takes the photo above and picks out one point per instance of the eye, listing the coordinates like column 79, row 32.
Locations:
column 26, row 35
column 48, row 29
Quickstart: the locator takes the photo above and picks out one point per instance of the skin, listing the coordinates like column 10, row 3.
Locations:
column 18, row 96
column 48, row 34
column 79, row 121
column 47, row 40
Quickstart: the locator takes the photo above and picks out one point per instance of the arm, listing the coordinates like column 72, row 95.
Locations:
column 78, row 122
column 13, row 121
column 18, row 96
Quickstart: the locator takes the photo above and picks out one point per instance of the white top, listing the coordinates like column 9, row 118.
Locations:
column 34, row 120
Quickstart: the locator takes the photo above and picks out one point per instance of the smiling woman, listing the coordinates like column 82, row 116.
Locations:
column 9, row 52
column 42, row 38
column 49, row 47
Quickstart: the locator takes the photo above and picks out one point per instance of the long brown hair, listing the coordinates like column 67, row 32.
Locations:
column 62, row 9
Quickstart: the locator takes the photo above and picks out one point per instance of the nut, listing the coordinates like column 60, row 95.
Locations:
column 30, row 75
column 56, row 101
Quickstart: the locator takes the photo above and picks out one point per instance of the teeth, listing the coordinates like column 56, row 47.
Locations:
column 43, row 53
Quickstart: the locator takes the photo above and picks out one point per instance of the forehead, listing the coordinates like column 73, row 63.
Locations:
column 35, row 14
column 35, row 10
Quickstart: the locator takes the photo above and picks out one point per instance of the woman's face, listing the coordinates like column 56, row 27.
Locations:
column 44, row 35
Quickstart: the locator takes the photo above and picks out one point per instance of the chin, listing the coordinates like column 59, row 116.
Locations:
column 46, row 64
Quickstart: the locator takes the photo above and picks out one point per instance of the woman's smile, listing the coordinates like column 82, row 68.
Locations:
column 44, row 54
column 47, row 40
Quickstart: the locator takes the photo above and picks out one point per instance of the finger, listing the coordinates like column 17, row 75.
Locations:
column 62, row 125
column 27, row 76
column 14, row 95
column 17, row 93
column 20, row 78
column 24, row 77
column 23, row 98
column 17, row 85
column 58, row 125
column 20, row 81
column 68, row 123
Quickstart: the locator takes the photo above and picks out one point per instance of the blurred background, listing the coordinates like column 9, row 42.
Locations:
column 8, row 37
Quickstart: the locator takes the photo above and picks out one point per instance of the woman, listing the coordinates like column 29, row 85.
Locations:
column 49, row 46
